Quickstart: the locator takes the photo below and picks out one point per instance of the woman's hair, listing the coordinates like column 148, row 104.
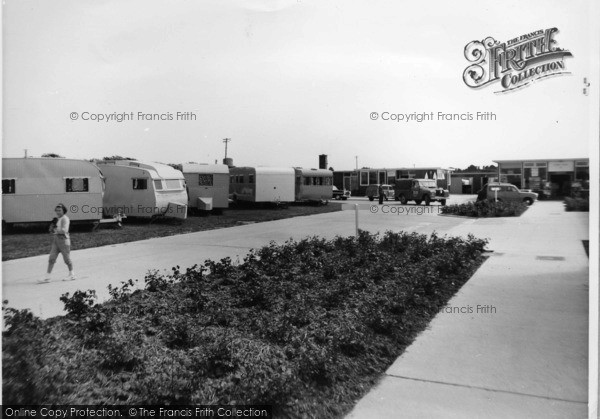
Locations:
column 62, row 207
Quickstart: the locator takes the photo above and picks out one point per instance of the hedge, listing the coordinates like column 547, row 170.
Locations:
column 486, row 208
column 307, row 326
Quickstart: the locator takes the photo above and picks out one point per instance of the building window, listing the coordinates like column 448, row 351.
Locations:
column 250, row 178
column 8, row 186
column 77, row 184
column 231, row 179
column 158, row 184
column 364, row 178
column 372, row 178
column 205, row 180
column 139, row 184
column 173, row 183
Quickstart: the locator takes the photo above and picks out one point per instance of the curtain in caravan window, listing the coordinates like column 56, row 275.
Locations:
column 77, row 184
column 140, row 184
column 8, row 186
column 205, row 180
column 158, row 184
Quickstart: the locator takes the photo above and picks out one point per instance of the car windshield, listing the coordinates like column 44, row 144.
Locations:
column 428, row 183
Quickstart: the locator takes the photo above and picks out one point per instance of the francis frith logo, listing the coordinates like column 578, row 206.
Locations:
column 515, row 63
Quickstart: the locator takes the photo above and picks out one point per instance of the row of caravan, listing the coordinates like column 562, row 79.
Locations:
column 31, row 188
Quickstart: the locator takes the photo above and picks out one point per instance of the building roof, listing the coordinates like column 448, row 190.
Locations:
column 540, row 160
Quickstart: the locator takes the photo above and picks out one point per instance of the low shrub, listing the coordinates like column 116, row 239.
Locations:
column 306, row 326
column 486, row 208
column 577, row 204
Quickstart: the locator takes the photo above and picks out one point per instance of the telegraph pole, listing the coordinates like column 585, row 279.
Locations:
column 226, row 140
column 356, row 158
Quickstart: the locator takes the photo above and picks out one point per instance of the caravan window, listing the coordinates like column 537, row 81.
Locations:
column 8, row 186
column 158, row 184
column 327, row 181
column 140, row 184
column 250, row 178
column 205, row 180
column 77, row 184
column 173, row 184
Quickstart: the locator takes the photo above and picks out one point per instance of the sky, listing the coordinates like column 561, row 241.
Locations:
column 285, row 80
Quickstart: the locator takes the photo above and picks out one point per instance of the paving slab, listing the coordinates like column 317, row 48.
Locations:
column 513, row 341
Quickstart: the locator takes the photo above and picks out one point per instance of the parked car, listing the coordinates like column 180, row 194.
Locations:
column 420, row 190
column 506, row 192
column 342, row 194
column 372, row 192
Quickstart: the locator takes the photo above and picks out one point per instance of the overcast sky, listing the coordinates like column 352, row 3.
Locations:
column 285, row 80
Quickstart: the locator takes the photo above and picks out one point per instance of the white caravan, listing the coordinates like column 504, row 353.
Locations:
column 141, row 189
column 207, row 185
column 262, row 184
column 32, row 187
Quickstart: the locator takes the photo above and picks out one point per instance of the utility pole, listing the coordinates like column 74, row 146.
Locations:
column 356, row 158
column 226, row 140
column 25, row 153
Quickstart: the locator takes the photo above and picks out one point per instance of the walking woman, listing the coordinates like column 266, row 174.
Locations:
column 61, row 243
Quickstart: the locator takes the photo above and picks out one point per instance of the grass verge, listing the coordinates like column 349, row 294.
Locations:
column 306, row 326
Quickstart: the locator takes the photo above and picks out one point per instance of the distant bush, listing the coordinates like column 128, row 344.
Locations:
column 577, row 204
column 486, row 208
column 306, row 326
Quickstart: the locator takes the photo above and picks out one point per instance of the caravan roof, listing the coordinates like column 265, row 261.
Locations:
column 156, row 170
column 268, row 170
column 42, row 167
column 204, row 168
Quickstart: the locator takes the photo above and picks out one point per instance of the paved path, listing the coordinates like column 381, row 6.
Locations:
column 524, row 354
column 98, row 267
column 526, row 359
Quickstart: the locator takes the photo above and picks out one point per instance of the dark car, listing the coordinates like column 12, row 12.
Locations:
column 340, row 194
column 372, row 192
column 506, row 192
column 420, row 190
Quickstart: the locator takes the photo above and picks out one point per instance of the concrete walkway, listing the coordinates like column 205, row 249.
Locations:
column 523, row 354
column 98, row 267
column 526, row 359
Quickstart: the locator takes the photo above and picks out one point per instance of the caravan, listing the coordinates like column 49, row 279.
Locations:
column 140, row 189
column 32, row 187
column 315, row 185
column 262, row 184
column 207, row 185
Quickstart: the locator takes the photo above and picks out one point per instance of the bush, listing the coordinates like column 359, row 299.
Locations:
column 486, row 208
column 306, row 326
column 577, row 204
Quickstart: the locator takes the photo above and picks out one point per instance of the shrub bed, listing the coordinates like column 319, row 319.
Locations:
column 307, row 326
column 486, row 208
column 577, row 204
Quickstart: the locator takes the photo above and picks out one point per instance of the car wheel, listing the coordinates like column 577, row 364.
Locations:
column 443, row 202
column 403, row 200
column 427, row 200
column 344, row 198
column 418, row 201
column 528, row 201
column 371, row 198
